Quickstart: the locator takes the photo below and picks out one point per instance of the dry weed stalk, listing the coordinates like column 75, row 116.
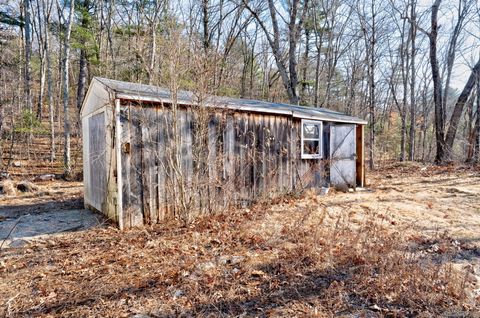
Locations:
column 233, row 264
column 210, row 158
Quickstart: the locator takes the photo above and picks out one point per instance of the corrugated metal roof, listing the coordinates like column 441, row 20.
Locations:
column 142, row 92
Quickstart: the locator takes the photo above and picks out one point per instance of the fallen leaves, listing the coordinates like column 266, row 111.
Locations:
column 304, row 256
column 257, row 273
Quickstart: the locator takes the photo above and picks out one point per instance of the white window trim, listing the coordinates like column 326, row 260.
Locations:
column 320, row 139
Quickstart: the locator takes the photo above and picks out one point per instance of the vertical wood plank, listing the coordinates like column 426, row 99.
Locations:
column 212, row 163
column 229, row 155
column 136, row 193
column 221, row 168
column 250, row 152
column 360, row 163
column 286, row 155
column 149, row 174
column 126, row 166
column 97, row 159
column 160, row 165
column 258, row 155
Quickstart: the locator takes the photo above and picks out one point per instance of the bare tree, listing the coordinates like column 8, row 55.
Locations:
column 413, row 75
column 476, row 139
column 458, row 110
column 65, row 95
column 380, row 60
column 368, row 21
column 38, row 27
column 437, row 83
column 295, row 22
column 463, row 11
column 27, row 26
column 82, row 62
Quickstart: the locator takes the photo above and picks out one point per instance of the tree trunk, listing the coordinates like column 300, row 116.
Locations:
column 403, row 139
column 405, row 71
column 65, row 95
column 317, row 78
column 82, row 78
column 28, row 54
column 476, row 153
column 458, row 110
column 275, row 44
column 83, row 61
column 289, row 77
column 252, row 68
column 318, row 44
column 437, row 82
column 413, row 107
column 371, row 78
column 39, row 27
column 292, row 48
column 51, row 108
column 41, row 89
column 463, row 10
column 153, row 44
column 1, row 134
column 303, row 92
column 153, row 50
column 111, row 6
column 243, row 78
column 469, row 133
column 205, row 17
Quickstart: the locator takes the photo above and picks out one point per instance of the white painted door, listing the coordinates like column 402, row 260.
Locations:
column 342, row 155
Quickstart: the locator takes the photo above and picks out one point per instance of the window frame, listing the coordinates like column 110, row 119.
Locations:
column 319, row 139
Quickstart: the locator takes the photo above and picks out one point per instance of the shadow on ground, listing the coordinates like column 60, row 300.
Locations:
column 21, row 222
column 17, row 210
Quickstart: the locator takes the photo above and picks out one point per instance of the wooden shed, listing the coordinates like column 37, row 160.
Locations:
column 149, row 154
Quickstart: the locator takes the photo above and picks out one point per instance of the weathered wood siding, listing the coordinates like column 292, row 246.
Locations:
column 97, row 172
column 343, row 155
column 207, row 161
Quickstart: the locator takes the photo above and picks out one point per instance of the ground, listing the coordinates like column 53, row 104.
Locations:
column 406, row 245
column 54, row 207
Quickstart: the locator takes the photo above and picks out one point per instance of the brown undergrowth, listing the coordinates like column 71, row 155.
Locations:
column 289, row 259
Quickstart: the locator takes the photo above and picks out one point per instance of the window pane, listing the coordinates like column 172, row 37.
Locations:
column 311, row 130
column 311, row 147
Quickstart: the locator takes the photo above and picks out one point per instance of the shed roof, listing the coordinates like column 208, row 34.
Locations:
column 142, row 92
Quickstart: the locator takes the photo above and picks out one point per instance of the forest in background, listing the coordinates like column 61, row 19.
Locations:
column 410, row 67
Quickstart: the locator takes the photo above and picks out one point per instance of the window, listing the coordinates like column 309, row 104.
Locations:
column 311, row 139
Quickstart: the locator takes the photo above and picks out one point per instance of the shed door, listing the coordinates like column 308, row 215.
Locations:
column 342, row 155
column 97, row 178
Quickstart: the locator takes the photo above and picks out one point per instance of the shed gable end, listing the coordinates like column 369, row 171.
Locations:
column 97, row 97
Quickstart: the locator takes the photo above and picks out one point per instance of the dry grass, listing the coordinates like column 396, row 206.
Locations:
column 290, row 258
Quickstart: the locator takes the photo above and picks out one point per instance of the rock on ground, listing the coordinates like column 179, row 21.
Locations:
column 7, row 187
column 26, row 186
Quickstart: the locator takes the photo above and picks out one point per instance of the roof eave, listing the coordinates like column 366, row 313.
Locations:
column 331, row 119
column 295, row 114
column 136, row 97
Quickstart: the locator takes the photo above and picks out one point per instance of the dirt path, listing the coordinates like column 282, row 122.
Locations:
column 429, row 200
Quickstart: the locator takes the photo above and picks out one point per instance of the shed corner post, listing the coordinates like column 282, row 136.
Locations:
column 118, row 156
column 360, row 136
